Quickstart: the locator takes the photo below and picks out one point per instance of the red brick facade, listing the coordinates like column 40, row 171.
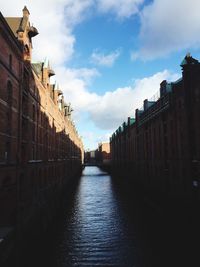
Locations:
column 40, row 150
column 104, row 153
column 161, row 146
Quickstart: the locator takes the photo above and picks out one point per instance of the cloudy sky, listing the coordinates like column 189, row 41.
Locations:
column 109, row 55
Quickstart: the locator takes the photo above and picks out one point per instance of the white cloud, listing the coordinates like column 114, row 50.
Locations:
column 74, row 83
column 56, row 40
column 55, row 21
column 91, row 139
column 77, row 10
column 108, row 111
column 114, row 107
column 102, row 59
column 121, row 8
column 168, row 26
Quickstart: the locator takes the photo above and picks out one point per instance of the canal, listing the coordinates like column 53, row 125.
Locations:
column 105, row 222
column 97, row 230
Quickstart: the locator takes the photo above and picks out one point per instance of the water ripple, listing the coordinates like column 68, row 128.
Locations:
column 95, row 234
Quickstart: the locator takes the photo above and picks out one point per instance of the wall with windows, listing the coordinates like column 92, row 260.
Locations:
column 40, row 149
column 10, row 88
column 160, row 148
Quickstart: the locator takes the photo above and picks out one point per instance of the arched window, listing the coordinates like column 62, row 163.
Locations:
column 26, row 48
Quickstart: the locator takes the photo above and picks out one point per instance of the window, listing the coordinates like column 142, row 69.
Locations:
column 2, row 150
column 26, row 51
column 25, row 105
column 33, row 152
column 9, row 93
column 9, row 120
column 9, row 110
column 7, row 153
column 10, row 62
column 33, row 132
column 23, row 152
column 33, row 113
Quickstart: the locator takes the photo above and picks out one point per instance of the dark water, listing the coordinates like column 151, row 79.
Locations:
column 110, row 223
column 107, row 222
column 97, row 232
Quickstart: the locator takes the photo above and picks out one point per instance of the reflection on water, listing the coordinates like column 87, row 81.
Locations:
column 96, row 232
column 108, row 222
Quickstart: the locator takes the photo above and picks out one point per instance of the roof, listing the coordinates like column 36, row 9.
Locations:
column 14, row 24
column 132, row 121
column 7, row 27
column 17, row 24
column 37, row 67
column 179, row 80
column 189, row 60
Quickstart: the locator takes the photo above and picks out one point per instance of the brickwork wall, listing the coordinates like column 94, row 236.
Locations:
column 10, row 87
column 40, row 150
column 161, row 149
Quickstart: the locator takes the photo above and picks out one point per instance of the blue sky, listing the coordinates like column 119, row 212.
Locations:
column 109, row 55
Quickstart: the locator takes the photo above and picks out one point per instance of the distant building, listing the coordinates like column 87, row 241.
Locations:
column 104, row 153
column 99, row 157
column 90, row 157
column 92, row 154
column 160, row 147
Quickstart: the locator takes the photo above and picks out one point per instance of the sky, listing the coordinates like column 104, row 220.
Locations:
column 110, row 55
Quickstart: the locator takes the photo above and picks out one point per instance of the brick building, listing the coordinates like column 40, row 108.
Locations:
column 40, row 150
column 104, row 153
column 161, row 146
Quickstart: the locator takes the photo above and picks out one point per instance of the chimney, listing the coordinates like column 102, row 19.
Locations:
column 163, row 86
column 145, row 104
column 26, row 12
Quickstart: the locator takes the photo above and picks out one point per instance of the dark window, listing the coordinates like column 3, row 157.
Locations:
column 33, row 113
column 165, row 128
column 33, row 152
column 9, row 93
column 9, row 120
column 33, row 132
column 26, row 81
column 10, row 62
column 9, row 111
column 23, row 152
column 7, row 153
column 25, row 105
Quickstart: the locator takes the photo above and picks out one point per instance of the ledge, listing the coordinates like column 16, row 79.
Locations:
column 35, row 161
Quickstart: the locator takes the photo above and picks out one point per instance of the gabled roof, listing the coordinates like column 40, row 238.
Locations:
column 15, row 23
column 7, row 27
column 18, row 24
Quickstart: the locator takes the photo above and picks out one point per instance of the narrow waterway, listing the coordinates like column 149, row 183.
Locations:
column 107, row 222
column 97, row 232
